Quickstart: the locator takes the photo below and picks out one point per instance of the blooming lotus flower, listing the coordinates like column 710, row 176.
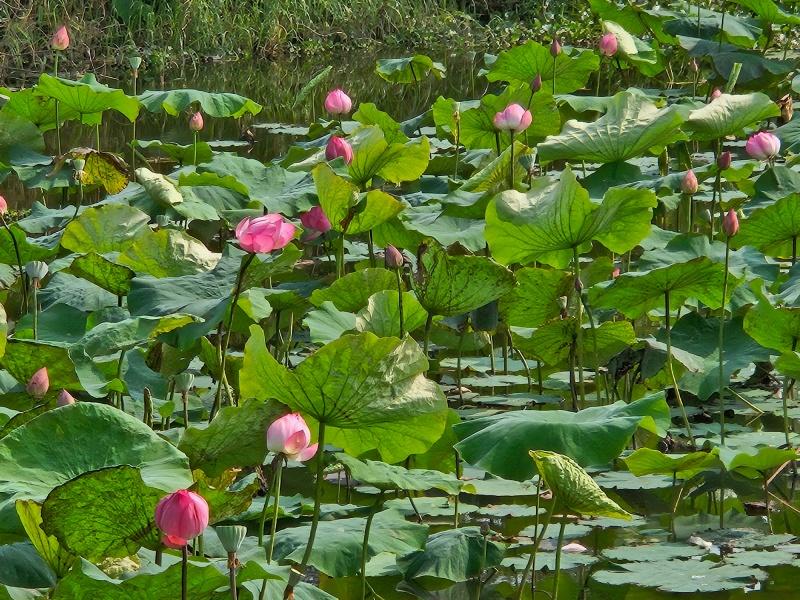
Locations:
column 608, row 45
column 393, row 258
column 65, row 398
column 291, row 437
column 39, row 383
column 555, row 48
column 716, row 93
column 763, row 145
column 339, row 147
column 3, row 206
column 60, row 40
column 264, row 234
column 514, row 118
column 182, row 515
column 689, row 183
column 730, row 223
column 724, row 161
column 315, row 223
column 338, row 103
column 196, row 121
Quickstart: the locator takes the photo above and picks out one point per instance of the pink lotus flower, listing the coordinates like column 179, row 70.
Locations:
column 3, row 206
column 339, row 147
column 60, row 40
column 689, row 184
column 315, row 223
column 555, row 48
column 514, row 118
column 724, row 161
column 338, row 103
column 730, row 223
column 173, row 541
column 196, row 121
column 763, row 145
column 536, row 84
column 608, row 45
column 65, row 399
column 716, row 93
column 393, row 258
column 264, row 234
column 291, row 437
column 39, row 383
column 182, row 514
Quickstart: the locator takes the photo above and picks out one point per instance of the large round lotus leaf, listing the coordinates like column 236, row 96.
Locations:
column 373, row 155
column 168, row 253
column 772, row 229
column 218, row 104
column 395, row 477
column 87, row 96
column 154, row 583
column 729, row 115
column 351, row 293
column 370, row 392
column 381, row 316
column 66, row 442
column 573, row 488
column 102, row 514
column 646, row 461
column 106, row 228
column 594, row 436
column 410, row 69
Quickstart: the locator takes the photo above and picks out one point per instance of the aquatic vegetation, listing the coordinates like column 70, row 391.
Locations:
column 538, row 341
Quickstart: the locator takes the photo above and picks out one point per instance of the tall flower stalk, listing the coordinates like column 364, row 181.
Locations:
column 58, row 43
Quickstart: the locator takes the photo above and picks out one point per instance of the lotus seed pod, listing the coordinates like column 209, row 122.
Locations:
column 36, row 270
column 135, row 62
column 231, row 536
column 183, row 382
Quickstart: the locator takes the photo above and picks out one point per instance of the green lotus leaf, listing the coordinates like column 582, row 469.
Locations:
column 776, row 327
column 58, row 558
column 756, row 463
column 730, row 115
column 24, row 357
column 557, row 217
column 551, row 342
column 328, row 323
column 773, row 229
column 103, row 273
column 39, row 110
column 381, row 315
column 430, row 220
column 369, row 114
column 87, row 97
column 106, row 228
column 769, row 12
column 370, row 392
column 647, row 59
column 631, row 127
column 646, row 461
column 392, row 477
column 21, row 567
column 395, row 162
column 351, row 293
column 183, row 154
column 454, row 555
column 522, row 64
column 218, row 104
column 28, row 249
column 159, row 187
column 54, row 447
column 593, row 436
column 104, row 513
column 411, row 69
column 167, row 253
column 535, row 300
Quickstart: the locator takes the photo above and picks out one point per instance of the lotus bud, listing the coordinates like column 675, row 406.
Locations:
column 231, row 536
column 135, row 62
column 3, row 206
column 338, row 147
column 608, row 45
column 763, row 145
column 393, row 258
column 724, row 161
column 555, row 48
column 338, row 103
column 716, row 93
column 196, row 121
column 457, row 113
column 290, row 436
column 689, row 183
column 536, row 84
column 39, row 383
column 730, row 223
column 182, row 515
column 36, row 270
column 183, row 382
column 60, row 40
column 65, row 398
column 514, row 118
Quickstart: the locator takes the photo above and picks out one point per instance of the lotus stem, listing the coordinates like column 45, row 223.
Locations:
column 275, row 510
column 766, row 501
column 340, row 268
column 576, row 264
column 57, row 106
column 457, row 138
column 365, row 545
column 134, row 77
column 232, row 574
column 511, row 169
column 227, row 335
column 185, row 400
column 671, row 370
column 297, row 574
column 400, row 302
column 19, row 261
column 458, row 495
column 786, row 388
column 184, row 572
column 721, row 342
column 426, row 342
column 539, row 377
column 194, row 149
column 371, row 249
column 97, row 135
column 554, row 75
column 559, row 543
column 538, row 536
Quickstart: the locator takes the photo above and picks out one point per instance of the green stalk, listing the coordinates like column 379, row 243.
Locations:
column 340, row 257
column 426, row 341
column 297, row 574
column 275, row 510
column 458, row 154
column 227, row 336
column 721, row 341
column 371, row 250
column 365, row 545
column 35, row 311
column 232, row 574
column 458, row 496
column 184, row 572
column 400, row 302
column 786, row 387
column 511, row 171
column 185, row 399
column 539, row 536
column 554, row 75
column 672, row 374
column 194, row 148
column 133, row 133
column 58, row 116
column 579, row 317
column 558, row 558
column 19, row 260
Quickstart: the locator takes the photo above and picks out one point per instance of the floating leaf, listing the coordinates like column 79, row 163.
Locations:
column 218, row 104
column 411, row 69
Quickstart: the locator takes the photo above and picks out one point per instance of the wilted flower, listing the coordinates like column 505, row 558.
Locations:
column 182, row 515
column 339, row 147
column 196, row 121
column 264, row 234
column 290, row 436
column 64, row 398
column 689, row 184
column 608, row 45
column 730, row 223
column 338, row 103
column 393, row 258
column 39, row 383
column 60, row 40
column 514, row 118
column 763, row 145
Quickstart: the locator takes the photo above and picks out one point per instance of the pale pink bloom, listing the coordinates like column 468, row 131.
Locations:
column 339, row 147
column 730, row 223
column 196, row 121
column 689, row 184
column 338, row 103
column 555, row 48
column 573, row 547
column 608, row 45
column 60, row 40
column 3, row 206
column 264, row 234
column 182, row 514
column 763, row 145
column 514, row 118
column 290, row 436
column 39, row 383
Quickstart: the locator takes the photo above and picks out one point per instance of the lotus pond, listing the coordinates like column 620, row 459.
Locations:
column 519, row 325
